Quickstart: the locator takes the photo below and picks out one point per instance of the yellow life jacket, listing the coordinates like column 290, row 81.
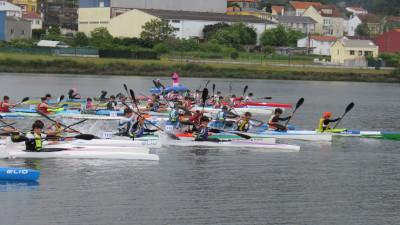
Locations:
column 322, row 127
column 38, row 142
column 243, row 125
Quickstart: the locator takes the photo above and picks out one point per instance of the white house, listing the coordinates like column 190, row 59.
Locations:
column 35, row 18
column 320, row 45
column 10, row 9
column 352, row 24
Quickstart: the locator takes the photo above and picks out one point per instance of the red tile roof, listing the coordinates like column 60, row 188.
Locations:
column 394, row 18
column 277, row 8
column 323, row 38
column 304, row 5
column 31, row 15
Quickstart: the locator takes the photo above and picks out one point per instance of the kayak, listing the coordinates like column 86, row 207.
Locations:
column 153, row 142
column 267, row 104
column 235, row 144
column 295, row 135
column 19, row 174
column 179, row 88
column 228, row 136
column 367, row 134
column 241, row 110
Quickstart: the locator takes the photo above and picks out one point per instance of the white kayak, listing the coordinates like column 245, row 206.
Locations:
column 257, row 110
column 248, row 145
column 294, row 135
column 120, row 142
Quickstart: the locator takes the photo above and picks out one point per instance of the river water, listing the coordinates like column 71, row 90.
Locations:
column 351, row 181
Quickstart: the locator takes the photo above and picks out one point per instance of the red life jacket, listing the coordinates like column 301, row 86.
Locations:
column 42, row 108
column 3, row 107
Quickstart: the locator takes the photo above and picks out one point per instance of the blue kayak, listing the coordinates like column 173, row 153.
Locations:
column 19, row 174
column 179, row 88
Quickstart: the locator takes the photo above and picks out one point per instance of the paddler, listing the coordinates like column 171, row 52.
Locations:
column 249, row 97
column 73, row 94
column 244, row 124
column 325, row 121
column 139, row 129
column 112, row 104
column 43, row 106
column 174, row 116
column 89, row 104
column 125, row 124
column 273, row 123
column 33, row 142
column 5, row 104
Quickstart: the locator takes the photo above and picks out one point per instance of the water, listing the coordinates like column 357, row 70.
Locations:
column 351, row 181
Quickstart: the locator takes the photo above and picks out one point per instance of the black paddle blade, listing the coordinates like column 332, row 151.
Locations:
column 350, row 107
column 126, row 88
column 207, row 83
column 25, row 99
column 204, row 95
column 213, row 88
column 86, row 137
column 245, row 90
column 61, row 98
column 155, row 84
column 16, row 138
column 300, row 102
column 242, row 135
column 173, row 136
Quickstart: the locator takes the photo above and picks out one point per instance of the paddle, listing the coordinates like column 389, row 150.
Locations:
column 230, row 88
column 74, row 124
column 134, row 99
column 266, row 98
column 348, row 109
column 213, row 89
column 298, row 104
column 21, row 102
column 204, row 97
column 207, row 84
column 6, row 124
column 245, row 90
column 54, row 121
column 86, row 137
column 235, row 133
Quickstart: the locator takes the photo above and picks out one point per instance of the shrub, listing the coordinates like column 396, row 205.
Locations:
column 234, row 55
column 161, row 48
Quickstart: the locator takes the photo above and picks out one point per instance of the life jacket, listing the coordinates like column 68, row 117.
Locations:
column 34, row 144
column 3, row 107
column 42, row 108
column 322, row 127
column 272, row 123
column 243, row 125
column 173, row 116
column 202, row 134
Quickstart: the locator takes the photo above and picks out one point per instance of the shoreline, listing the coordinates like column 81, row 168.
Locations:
column 20, row 63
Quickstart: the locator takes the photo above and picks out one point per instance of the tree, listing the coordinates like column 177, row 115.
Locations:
column 22, row 43
column 156, row 31
column 363, row 30
column 54, row 31
column 275, row 37
column 210, row 30
column 236, row 35
column 38, row 33
column 101, row 38
column 293, row 36
column 81, row 39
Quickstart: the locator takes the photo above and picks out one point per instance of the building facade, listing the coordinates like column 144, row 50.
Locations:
column 318, row 45
column 61, row 13
column 34, row 18
column 26, row 5
column 300, row 23
column 389, row 42
column 353, row 52
column 297, row 8
column 10, row 9
column 14, row 28
column 329, row 20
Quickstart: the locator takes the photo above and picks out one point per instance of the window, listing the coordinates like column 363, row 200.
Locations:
column 360, row 53
column 352, row 52
column 176, row 21
column 22, row 32
column 37, row 22
column 12, row 31
column 368, row 53
column 176, row 29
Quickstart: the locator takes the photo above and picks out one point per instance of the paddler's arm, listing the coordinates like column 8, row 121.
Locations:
column 331, row 121
column 284, row 118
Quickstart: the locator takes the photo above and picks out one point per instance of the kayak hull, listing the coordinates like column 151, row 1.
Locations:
column 19, row 174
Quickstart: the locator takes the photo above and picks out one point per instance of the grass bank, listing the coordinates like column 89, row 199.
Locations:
column 22, row 63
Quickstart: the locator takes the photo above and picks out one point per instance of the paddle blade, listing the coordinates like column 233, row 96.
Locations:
column 61, row 98
column 25, row 99
column 204, row 95
column 350, row 107
column 213, row 88
column 173, row 136
column 126, row 88
column 16, row 138
column 207, row 83
column 245, row 90
column 242, row 135
column 155, row 84
column 299, row 103
column 86, row 137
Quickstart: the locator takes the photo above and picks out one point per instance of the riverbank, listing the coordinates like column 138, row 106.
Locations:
column 22, row 63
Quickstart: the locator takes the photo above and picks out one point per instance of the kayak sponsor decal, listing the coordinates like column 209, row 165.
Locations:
column 17, row 172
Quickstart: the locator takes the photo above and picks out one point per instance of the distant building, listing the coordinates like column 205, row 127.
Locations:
column 329, row 20
column 10, row 9
column 297, row 8
column 52, row 44
column 186, row 24
column 14, row 27
column 353, row 52
column 389, row 42
column 373, row 22
column 318, row 45
column 278, row 10
column 300, row 23
column 26, row 5
column 246, row 4
column 356, row 10
column 61, row 13
column 35, row 18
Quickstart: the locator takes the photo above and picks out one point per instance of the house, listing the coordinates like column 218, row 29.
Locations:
column 319, row 45
column 14, row 27
column 186, row 24
column 26, row 5
column 300, row 23
column 373, row 22
column 52, row 44
column 35, row 18
column 329, row 20
column 10, row 9
column 389, row 42
column 356, row 10
column 278, row 10
column 297, row 8
column 353, row 52
column 391, row 22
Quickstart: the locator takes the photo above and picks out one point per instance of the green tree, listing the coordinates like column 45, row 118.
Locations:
column 293, row 36
column 236, row 35
column 101, row 38
column 275, row 37
column 54, row 31
column 363, row 30
column 210, row 30
column 81, row 39
column 38, row 33
column 157, row 31
column 22, row 43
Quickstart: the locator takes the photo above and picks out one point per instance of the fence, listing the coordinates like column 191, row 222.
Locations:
column 87, row 52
